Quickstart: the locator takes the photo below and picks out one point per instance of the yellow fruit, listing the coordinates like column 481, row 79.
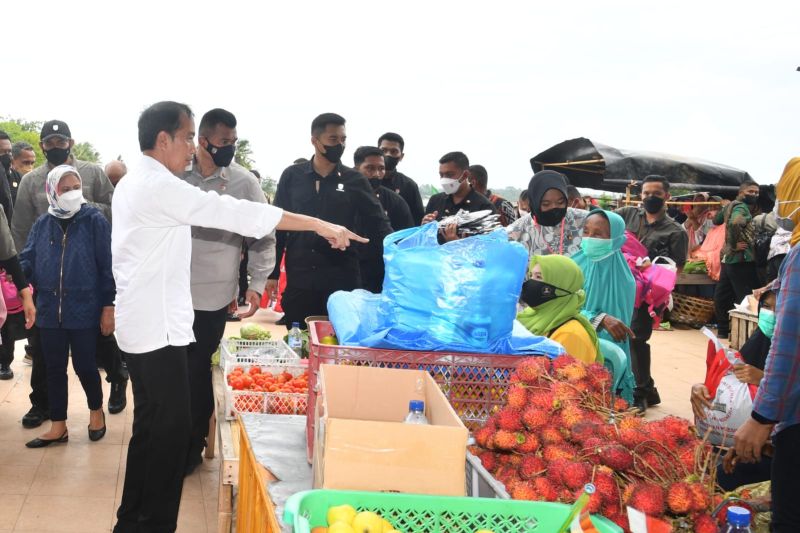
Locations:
column 484, row 531
column 341, row 527
column 341, row 513
column 329, row 339
column 387, row 527
column 367, row 522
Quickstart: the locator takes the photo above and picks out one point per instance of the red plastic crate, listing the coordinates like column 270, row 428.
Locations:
column 475, row 384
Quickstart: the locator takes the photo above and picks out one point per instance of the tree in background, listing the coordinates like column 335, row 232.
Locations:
column 86, row 152
column 244, row 154
column 269, row 186
column 23, row 130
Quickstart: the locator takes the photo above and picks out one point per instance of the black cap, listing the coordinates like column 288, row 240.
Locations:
column 55, row 127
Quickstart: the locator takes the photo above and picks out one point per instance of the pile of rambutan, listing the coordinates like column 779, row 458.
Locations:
column 562, row 428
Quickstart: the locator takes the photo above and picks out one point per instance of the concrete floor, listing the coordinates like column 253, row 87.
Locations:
column 77, row 487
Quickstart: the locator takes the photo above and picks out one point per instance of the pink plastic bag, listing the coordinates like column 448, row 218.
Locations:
column 653, row 284
column 13, row 304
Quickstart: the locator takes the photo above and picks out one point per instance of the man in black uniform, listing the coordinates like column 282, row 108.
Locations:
column 326, row 189
column 392, row 146
column 457, row 195
column 369, row 160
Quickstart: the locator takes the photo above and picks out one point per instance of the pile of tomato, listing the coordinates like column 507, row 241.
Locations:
column 262, row 381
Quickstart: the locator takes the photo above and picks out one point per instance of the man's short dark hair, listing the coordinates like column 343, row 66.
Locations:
column 214, row 118
column 363, row 152
column 746, row 184
column 460, row 159
column 20, row 146
column 573, row 193
column 655, row 178
column 393, row 138
column 300, row 160
column 523, row 196
column 480, row 175
column 162, row 116
column 4, row 136
column 319, row 124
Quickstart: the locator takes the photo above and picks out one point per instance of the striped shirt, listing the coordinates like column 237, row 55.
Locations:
column 778, row 397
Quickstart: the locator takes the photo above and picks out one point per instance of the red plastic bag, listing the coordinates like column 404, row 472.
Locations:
column 710, row 251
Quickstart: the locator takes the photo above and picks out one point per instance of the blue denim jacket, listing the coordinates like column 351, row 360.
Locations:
column 70, row 270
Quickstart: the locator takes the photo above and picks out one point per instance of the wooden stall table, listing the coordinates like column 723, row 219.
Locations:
column 228, row 434
column 272, row 467
column 694, row 279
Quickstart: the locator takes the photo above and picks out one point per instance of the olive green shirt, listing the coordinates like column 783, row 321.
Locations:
column 739, row 228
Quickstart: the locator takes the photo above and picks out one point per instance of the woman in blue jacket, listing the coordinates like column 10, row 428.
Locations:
column 68, row 261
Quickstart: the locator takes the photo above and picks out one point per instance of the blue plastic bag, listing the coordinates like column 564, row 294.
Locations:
column 459, row 296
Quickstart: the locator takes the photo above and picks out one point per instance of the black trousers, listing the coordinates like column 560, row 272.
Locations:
column 13, row 330
column 157, row 450
column 642, row 327
column 38, row 395
column 372, row 273
column 209, row 326
column 736, row 281
column 110, row 357
column 785, row 473
column 244, row 283
column 773, row 267
column 298, row 304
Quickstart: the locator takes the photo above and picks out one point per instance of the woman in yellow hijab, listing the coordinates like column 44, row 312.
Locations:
column 788, row 196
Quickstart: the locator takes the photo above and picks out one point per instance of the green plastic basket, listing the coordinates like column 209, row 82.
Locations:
column 412, row 513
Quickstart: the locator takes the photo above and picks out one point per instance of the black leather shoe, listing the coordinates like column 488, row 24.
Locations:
column 640, row 403
column 41, row 443
column 34, row 417
column 118, row 400
column 653, row 398
column 97, row 434
column 6, row 372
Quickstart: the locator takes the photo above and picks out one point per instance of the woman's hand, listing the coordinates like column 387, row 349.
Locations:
column 748, row 374
column 27, row 307
column 107, row 321
column 701, row 399
column 618, row 330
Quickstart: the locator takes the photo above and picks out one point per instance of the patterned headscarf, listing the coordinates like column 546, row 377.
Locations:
column 51, row 191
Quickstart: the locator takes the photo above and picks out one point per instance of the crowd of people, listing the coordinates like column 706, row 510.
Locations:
column 137, row 272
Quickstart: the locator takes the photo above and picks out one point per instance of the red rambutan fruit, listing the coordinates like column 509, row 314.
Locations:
column 531, row 467
column 509, row 419
column 606, row 486
column 617, row 457
column 701, row 499
column 544, row 400
column 576, row 475
column 646, row 497
column 545, row 488
column 679, row 498
column 530, row 369
column 563, row 450
column 484, row 437
column 704, row 523
column 550, row 435
column 505, row 440
column 534, row 418
column 517, row 397
column 529, row 445
column 524, row 490
column 488, row 460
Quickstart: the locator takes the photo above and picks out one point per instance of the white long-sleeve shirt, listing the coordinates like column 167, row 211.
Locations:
column 151, row 246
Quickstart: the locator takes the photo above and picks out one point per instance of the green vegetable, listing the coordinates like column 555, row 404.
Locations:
column 254, row 332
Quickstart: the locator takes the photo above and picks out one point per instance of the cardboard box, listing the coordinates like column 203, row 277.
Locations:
column 361, row 442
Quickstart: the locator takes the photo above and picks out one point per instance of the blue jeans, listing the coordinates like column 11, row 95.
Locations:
column 56, row 346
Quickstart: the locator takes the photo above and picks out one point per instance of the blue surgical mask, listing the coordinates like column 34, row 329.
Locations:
column 766, row 322
column 595, row 248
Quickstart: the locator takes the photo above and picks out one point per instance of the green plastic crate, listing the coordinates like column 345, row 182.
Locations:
column 412, row 513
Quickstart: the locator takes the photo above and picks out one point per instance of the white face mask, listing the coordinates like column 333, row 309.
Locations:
column 785, row 223
column 450, row 185
column 71, row 201
column 522, row 213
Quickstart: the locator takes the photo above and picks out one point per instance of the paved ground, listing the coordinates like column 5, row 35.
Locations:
column 77, row 487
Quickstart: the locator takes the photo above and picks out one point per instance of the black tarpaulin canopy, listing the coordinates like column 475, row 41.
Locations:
column 597, row 166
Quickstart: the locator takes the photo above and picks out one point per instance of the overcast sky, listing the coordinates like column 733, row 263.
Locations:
column 500, row 81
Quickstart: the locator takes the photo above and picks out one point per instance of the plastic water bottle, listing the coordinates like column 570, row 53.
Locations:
column 295, row 340
column 738, row 520
column 416, row 413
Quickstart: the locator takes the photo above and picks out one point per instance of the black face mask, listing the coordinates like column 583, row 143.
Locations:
column 5, row 160
column 653, row 204
column 57, row 156
column 750, row 200
column 536, row 292
column 333, row 153
column 391, row 162
column 375, row 182
column 553, row 217
column 222, row 155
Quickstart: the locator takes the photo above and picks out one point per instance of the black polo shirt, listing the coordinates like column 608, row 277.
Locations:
column 345, row 197
column 408, row 189
column 664, row 237
column 399, row 216
column 443, row 203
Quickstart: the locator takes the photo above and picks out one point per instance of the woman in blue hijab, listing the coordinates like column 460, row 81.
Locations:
column 610, row 293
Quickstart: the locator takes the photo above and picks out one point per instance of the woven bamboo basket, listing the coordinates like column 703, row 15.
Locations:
column 691, row 310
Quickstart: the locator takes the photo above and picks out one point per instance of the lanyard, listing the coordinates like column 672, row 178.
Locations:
column 561, row 242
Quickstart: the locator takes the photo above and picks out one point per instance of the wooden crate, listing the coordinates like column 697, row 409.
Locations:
column 228, row 434
column 255, row 512
column 742, row 326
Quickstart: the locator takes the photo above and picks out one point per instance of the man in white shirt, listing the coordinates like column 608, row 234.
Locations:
column 151, row 245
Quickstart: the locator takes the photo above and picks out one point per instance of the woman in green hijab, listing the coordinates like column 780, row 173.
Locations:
column 555, row 297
